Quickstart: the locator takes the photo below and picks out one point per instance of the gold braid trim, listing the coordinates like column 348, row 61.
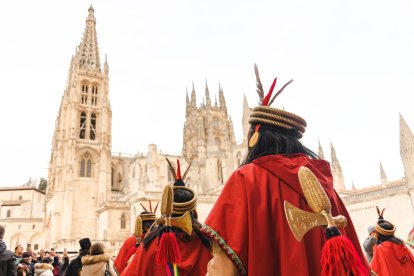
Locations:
column 385, row 232
column 277, row 118
column 272, row 123
column 147, row 217
column 286, row 114
column 179, row 208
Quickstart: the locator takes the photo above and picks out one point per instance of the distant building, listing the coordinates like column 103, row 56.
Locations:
column 21, row 212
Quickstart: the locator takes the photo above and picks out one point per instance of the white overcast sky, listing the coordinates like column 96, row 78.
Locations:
column 352, row 63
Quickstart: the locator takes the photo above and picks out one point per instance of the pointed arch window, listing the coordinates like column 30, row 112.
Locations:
column 82, row 131
column 85, row 167
column 94, row 98
column 92, row 131
column 123, row 221
column 84, row 94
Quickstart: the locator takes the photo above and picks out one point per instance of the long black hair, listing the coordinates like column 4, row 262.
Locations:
column 180, row 195
column 276, row 140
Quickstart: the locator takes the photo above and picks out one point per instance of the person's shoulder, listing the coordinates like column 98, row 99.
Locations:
column 6, row 255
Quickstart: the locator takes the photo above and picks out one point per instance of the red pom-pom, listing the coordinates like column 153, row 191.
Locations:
column 339, row 257
column 168, row 250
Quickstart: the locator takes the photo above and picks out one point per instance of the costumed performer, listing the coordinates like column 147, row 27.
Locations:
column 143, row 223
column 391, row 256
column 176, row 246
column 247, row 223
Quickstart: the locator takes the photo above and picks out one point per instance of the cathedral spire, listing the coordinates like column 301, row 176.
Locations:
column 406, row 148
column 338, row 178
column 88, row 51
column 320, row 150
column 245, row 118
column 193, row 97
column 208, row 100
column 222, row 100
column 384, row 179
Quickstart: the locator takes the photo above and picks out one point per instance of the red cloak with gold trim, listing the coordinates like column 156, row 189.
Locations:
column 248, row 220
column 392, row 259
column 194, row 259
column 123, row 256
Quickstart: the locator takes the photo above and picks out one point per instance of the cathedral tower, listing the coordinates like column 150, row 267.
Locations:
column 80, row 162
column 338, row 178
column 208, row 140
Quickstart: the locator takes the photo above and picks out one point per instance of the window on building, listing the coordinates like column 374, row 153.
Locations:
column 20, row 197
column 8, row 213
column 123, row 221
column 82, row 131
column 36, row 247
column 94, row 98
column 84, row 94
column 133, row 172
column 92, row 131
column 19, row 227
column 85, row 167
column 89, row 168
column 33, row 226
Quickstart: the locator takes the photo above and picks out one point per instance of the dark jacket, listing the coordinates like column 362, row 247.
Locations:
column 74, row 267
column 6, row 261
column 29, row 267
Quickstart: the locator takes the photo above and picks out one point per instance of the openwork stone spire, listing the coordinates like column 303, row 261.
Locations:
column 320, row 150
column 88, row 52
column 384, row 179
column 338, row 178
column 407, row 148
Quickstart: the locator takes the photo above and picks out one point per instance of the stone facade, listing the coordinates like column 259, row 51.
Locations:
column 21, row 213
column 94, row 193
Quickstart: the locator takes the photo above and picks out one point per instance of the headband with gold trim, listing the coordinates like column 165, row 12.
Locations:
column 266, row 115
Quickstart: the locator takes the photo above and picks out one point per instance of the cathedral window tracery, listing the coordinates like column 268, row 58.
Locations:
column 92, row 131
column 94, row 98
column 82, row 132
column 85, row 168
column 84, row 94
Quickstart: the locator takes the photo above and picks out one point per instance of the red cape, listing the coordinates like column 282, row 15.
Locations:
column 392, row 259
column 248, row 220
column 121, row 260
column 194, row 259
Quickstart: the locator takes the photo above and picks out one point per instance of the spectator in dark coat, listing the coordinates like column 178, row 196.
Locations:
column 75, row 265
column 27, row 264
column 6, row 257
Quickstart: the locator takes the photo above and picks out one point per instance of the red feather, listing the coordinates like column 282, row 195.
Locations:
column 269, row 94
column 178, row 170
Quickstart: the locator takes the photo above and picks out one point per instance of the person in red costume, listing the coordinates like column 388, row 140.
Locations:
column 128, row 249
column 192, row 245
column 248, row 224
column 391, row 256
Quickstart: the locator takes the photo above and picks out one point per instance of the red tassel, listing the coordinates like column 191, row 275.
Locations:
column 168, row 250
column 339, row 257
